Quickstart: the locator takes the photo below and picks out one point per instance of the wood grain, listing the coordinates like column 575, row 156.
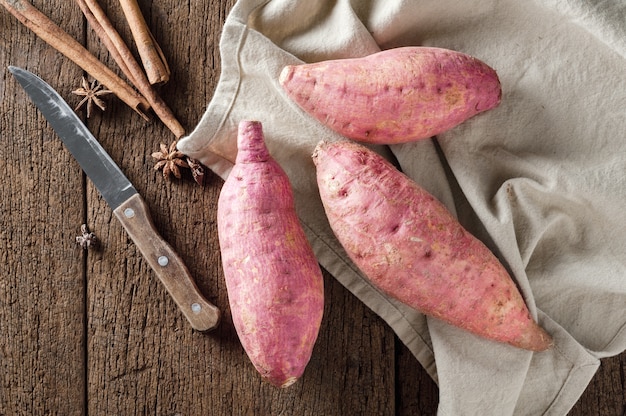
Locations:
column 95, row 332
column 42, row 273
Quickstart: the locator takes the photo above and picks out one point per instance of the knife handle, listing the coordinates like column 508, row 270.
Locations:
column 168, row 266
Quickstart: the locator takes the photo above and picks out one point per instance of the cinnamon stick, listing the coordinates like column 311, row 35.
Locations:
column 130, row 67
column 114, row 43
column 52, row 34
column 152, row 56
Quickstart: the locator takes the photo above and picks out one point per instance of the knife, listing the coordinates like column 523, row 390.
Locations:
column 128, row 206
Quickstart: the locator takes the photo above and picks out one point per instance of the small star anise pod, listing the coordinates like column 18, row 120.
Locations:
column 87, row 239
column 92, row 93
column 170, row 160
column 197, row 170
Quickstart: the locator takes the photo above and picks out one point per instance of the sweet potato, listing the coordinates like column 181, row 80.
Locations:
column 273, row 280
column 412, row 248
column 394, row 96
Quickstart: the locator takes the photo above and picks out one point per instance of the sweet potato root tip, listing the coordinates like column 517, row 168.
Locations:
column 538, row 340
column 394, row 96
column 285, row 74
column 274, row 283
column 288, row 382
column 409, row 246
column 250, row 143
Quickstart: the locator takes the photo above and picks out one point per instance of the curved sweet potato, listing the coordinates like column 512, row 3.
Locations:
column 394, row 96
column 274, row 282
column 410, row 246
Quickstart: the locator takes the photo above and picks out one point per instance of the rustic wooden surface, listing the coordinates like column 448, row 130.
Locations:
column 94, row 332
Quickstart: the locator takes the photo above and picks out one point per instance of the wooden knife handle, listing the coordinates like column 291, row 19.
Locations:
column 135, row 217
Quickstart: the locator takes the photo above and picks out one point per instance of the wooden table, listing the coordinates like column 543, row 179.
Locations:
column 94, row 332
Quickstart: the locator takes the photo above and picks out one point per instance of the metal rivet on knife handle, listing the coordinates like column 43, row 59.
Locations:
column 167, row 265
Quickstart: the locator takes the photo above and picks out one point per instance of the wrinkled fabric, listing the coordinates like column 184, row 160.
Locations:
column 539, row 179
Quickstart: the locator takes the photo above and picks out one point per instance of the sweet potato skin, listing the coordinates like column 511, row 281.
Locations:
column 412, row 248
column 394, row 96
column 274, row 282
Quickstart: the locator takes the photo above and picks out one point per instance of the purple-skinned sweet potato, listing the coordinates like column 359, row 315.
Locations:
column 274, row 282
column 412, row 248
column 394, row 96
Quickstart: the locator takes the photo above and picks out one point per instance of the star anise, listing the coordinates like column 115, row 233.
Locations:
column 197, row 170
column 169, row 160
column 92, row 93
column 87, row 239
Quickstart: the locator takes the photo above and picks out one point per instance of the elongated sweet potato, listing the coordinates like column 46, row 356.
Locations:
column 410, row 246
column 394, row 96
column 274, row 282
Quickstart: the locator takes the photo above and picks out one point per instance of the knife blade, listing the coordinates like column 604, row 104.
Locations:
column 127, row 204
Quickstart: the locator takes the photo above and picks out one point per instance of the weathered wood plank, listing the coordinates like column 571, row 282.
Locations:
column 417, row 393
column 606, row 395
column 41, row 268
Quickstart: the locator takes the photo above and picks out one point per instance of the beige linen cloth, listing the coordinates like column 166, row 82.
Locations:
column 540, row 179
